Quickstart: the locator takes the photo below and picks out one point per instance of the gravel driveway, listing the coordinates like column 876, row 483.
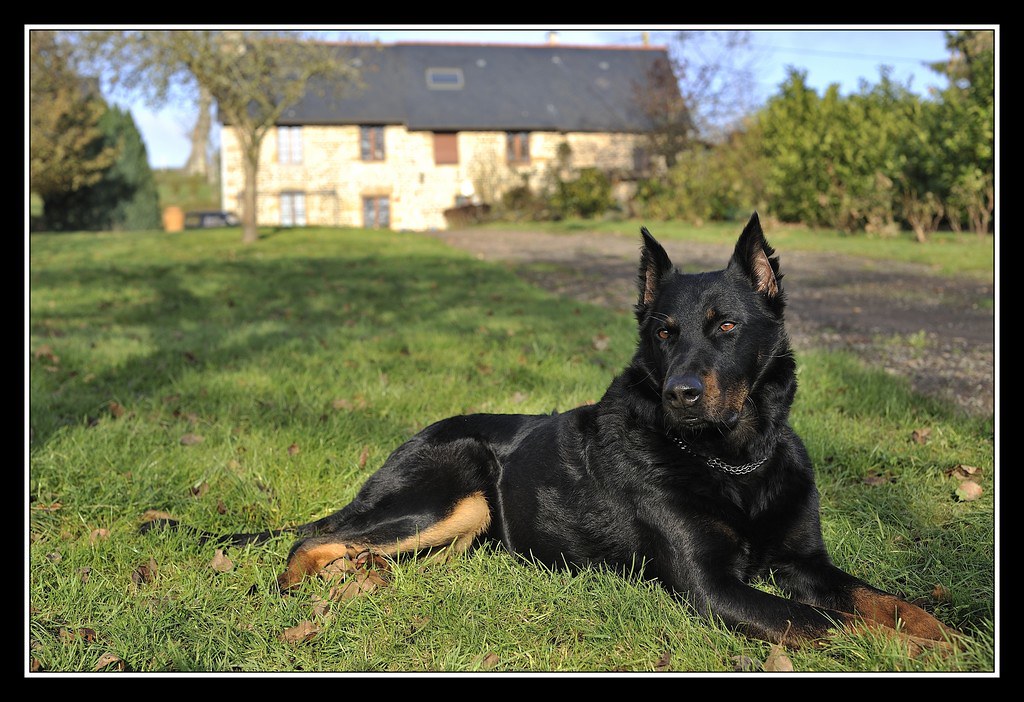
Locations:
column 935, row 331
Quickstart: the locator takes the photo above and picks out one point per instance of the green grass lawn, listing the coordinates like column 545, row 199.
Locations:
column 240, row 388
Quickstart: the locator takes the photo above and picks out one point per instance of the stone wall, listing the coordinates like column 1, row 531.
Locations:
column 335, row 179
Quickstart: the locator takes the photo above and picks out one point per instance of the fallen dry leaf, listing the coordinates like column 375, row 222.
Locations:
column 321, row 606
column 34, row 666
column 920, row 436
column 663, row 662
column 742, row 663
column 940, row 594
column 359, row 584
column 151, row 514
column 221, row 507
column 45, row 351
column 877, row 479
column 83, row 573
column 293, row 449
column 968, row 490
column 339, row 567
column 489, row 660
column 71, row 635
column 98, row 535
column 191, row 439
column 777, row 661
column 145, row 573
column 106, row 659
column 364, row 456
column 962, row 472
column 600, row 342
column 342, row 403
column 115, row 409
column 220, row 562
column 199, row 489
column 369, row 559
column 518, row 397
column 54, row 557
column 191, row 417
column 52, row 507
column 303, row 631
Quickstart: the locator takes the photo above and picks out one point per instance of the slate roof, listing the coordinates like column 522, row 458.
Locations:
column 505, row 87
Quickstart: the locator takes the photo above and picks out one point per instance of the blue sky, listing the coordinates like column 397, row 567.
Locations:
column 829, row 55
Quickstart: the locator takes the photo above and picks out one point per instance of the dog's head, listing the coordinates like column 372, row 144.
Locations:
column 709, row 341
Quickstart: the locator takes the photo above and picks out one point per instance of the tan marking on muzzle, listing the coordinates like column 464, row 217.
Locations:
column 721, row 403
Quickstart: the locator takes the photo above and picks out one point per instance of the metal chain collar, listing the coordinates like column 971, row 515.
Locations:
column 720, row 464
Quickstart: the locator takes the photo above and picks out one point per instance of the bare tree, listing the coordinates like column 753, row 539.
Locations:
column 198, row 162
column 699, row 92
column 254, row 76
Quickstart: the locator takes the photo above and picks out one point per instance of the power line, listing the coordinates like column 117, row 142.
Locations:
column 846, row 54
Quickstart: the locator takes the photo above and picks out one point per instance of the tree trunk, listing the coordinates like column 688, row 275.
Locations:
column 198, row 160
column 251, row 165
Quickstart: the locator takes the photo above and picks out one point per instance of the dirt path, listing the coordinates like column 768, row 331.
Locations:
column 937, row 332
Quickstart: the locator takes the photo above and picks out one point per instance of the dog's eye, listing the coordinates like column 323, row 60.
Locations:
column 727, row 326
column 663, row 333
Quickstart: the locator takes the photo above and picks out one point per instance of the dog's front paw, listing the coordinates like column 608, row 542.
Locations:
column 895, row 613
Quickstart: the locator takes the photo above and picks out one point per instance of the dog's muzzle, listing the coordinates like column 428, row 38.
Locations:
column 682, row 392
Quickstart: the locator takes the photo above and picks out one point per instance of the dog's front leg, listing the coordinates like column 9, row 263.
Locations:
column 756, row 613
column 818, row 582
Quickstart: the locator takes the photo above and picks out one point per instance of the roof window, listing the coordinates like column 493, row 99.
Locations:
column 444, row 78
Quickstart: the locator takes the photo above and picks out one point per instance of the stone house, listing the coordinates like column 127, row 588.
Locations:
column 434, row 126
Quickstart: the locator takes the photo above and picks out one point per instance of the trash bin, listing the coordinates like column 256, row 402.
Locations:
column 174, row 219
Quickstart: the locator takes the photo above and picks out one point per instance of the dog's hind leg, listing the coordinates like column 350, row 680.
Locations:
column 456, row 528
column 431, row 493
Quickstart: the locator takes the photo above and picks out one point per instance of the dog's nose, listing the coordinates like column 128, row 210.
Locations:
column 683, row 390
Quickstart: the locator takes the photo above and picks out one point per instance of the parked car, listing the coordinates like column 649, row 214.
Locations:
column 204, row 219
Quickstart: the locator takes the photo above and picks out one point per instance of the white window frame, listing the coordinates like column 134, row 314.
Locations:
column 289, row 145
column 293, row 208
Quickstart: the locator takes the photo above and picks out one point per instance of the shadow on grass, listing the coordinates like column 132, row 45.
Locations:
column 203, row 314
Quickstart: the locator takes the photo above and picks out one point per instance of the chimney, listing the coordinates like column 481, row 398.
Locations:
column 552, row 38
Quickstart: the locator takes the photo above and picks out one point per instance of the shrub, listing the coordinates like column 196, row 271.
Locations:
column 589, row 195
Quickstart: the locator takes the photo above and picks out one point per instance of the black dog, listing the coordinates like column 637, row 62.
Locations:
column 687, row 464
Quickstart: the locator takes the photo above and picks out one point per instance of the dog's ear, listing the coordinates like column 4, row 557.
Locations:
column 756, row 259
column 655, row 266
